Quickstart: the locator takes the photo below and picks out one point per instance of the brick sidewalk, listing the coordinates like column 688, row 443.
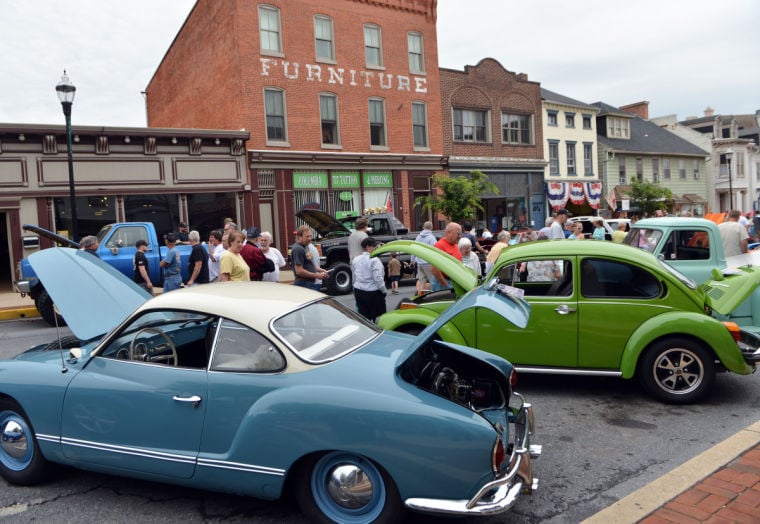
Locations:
column 731, row 494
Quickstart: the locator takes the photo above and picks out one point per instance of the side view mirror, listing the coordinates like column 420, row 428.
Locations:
column 75, row 353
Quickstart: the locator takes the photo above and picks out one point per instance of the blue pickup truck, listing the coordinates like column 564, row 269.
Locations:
column 117, row 248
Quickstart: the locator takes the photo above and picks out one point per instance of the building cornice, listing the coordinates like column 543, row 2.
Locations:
column 277, row 159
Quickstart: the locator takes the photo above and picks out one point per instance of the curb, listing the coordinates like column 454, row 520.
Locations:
column 15, row 313
column 654, row 495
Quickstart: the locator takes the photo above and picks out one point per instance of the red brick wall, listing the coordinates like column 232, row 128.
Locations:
column 488, row 86
column 212, row 75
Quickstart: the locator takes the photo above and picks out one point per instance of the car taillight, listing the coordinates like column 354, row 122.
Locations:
column 497, row 455
column 734, row 329
column 513, row 379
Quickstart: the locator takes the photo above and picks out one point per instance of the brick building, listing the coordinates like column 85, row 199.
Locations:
column 492, row 123
column 341, row 99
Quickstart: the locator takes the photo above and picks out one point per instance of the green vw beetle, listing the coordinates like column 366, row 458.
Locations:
column 601, row 309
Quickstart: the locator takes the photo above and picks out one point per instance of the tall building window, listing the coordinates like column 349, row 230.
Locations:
column 416, row 52
column 516, row 129
column 696, row 169
column 551, row 116
column 328, row 114
column 666, row 168
column 623, row 180
column 569, row 119
column 681, row 168
column 373, row 46
column 419, row 124
column 588, row 159
column 376, row 122
column 269, row 30
column 553, row 158
column 323, row 38
column 470, row 126
column 655, row 170
column 586, row 121
column 571, row 159
column 274, row 103
column 640, row 169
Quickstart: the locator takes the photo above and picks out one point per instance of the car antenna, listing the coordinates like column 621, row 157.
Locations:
column 64, row 369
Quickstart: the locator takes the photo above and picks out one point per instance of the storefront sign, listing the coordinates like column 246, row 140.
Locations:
column 378, row 179
column 344, row 179
column 309, row 180
column 341, row 76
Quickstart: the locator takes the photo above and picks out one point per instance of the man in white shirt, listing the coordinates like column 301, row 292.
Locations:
column 734, row 235
column 215, row 252
column 558, row 226
column 369, row 282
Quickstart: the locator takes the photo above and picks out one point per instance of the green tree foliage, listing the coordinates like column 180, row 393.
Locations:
column 648, row 197
column 460, row 197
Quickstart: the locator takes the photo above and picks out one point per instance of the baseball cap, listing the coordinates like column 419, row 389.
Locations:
column 564, row 211
column 253, row 232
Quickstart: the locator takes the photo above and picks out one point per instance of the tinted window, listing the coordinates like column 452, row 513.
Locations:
column 611, row 279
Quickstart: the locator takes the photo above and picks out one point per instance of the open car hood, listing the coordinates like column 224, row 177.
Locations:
column 462, row 277
column 730, row 287
column 323, row 223
column 92, row 296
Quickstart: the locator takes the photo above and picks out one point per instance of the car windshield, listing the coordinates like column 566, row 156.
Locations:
column 323, row 331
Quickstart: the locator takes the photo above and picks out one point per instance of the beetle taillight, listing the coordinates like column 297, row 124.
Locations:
column 734, row 329
column 497, row 455
column 513, row 379
column 407, row 305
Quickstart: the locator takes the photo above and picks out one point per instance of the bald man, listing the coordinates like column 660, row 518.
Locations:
column 448, row 244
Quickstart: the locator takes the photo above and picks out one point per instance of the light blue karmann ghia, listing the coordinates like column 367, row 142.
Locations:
column 251, row 387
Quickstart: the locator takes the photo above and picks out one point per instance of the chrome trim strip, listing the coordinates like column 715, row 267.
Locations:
column 171, row 457
column 568, row 371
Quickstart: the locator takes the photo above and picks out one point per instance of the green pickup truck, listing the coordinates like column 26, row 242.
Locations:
column 694, row 247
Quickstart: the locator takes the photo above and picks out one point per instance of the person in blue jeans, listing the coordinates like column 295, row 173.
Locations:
column 171, row 265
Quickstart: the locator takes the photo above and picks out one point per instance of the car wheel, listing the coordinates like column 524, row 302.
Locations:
column 21, row 461
column 677, row 370
column 45, row 306
column 339, row 281
column 346, row 488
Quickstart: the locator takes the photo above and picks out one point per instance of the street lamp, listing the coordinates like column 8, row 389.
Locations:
column 66, row 92
column 729, row 156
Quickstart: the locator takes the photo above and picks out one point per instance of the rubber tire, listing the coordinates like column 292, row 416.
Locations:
column 702, row 362
column 389, row 511
column 30, row 469
column 340, row 281
column 67, row 342
column 45, row 306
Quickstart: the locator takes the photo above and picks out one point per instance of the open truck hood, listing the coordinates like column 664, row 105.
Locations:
column 323, row 223
column 92, row 296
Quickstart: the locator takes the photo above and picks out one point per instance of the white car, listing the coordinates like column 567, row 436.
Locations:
column 588, row 226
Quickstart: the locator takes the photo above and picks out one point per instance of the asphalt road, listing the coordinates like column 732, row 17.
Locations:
column 603, row 439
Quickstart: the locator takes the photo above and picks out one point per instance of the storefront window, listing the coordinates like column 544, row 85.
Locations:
column 162, row 210
column 207, row 211
column 93, row 212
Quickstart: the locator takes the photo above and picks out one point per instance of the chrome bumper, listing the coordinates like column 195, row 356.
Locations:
column 501, row 493
column 749, row 345
column 23, row 287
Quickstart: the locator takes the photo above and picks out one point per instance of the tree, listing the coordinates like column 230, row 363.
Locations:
column 648, row 197
column 460, row 197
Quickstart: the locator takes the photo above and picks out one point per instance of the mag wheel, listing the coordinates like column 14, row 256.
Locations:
column 677, row 370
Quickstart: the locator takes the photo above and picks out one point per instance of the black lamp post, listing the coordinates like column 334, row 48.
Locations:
column 66, row 92
column 729, row 156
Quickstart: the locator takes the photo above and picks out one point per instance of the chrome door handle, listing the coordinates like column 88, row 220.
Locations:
column 195, row 400
column 564, row 310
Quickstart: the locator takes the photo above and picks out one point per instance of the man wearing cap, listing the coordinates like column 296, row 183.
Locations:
column 171, row 264
column 182, row 234
column 252, row 254
column 558, row 226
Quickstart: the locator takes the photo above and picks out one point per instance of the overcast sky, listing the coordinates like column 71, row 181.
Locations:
column 680, row 55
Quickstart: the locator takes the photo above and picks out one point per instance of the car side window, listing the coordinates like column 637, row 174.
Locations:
column 240, row 348
column 127, row 236
column 602, row 278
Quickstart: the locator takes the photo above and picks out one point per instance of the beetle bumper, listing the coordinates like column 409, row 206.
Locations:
column 749, row 345
column 501, row 493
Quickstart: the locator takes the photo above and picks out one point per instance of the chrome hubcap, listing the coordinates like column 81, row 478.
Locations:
column 14, row 440
column 349, row 486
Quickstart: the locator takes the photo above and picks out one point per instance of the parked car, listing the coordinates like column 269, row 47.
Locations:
column 117, row 248
column 614, row 222
column 251, row 387
column 598, row 308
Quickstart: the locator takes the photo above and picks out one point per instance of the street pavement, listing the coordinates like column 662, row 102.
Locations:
column 721, row 484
